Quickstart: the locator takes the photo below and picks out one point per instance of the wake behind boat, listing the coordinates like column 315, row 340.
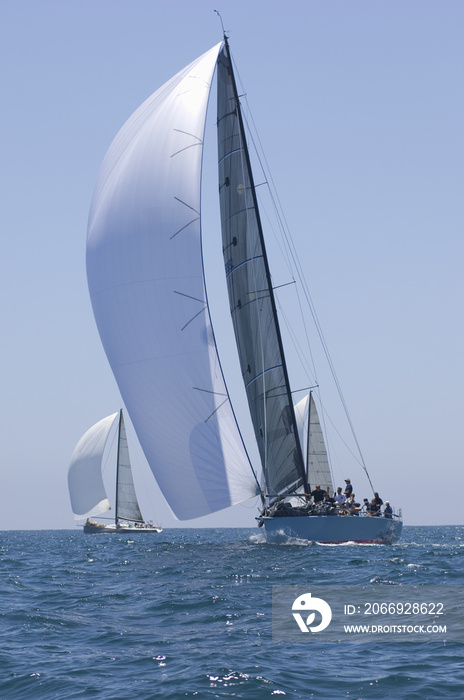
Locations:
column 146, row 279
column 87, row 490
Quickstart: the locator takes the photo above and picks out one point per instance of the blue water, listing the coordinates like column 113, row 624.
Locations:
column 187, row 614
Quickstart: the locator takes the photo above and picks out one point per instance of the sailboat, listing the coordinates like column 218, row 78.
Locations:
column 146, row 279
column 87, row 490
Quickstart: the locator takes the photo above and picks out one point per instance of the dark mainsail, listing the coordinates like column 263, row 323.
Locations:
column 251, row 298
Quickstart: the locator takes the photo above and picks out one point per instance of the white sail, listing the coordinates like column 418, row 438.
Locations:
column 145, row 275
column 86, row 488
column 317, row 460
column 127, row 506
column 301, row 415
column 312, row 440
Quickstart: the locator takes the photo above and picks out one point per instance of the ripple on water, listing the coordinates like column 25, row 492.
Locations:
column 190, row 616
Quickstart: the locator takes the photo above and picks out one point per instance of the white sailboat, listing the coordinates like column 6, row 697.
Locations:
column 147, row 286
column 87, row 490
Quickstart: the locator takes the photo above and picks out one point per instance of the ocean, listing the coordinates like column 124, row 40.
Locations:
column 187, row 614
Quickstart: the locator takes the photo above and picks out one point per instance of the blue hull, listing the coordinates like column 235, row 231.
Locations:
column 333, row 529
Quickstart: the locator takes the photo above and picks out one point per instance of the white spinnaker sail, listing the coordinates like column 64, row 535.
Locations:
column 86, row 488
column 313, row 443
column 145, row 275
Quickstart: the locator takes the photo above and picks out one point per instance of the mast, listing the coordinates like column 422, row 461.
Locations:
column 289, row 418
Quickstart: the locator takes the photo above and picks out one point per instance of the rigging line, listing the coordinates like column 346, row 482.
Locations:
column 208, row 391
column 184, row 227
column 308, row 367
column 288, row 238
column 187, row 205
column 182, row 294
column 181, row 150
column 187, row 133
column 305, row 327
column 192, row 319
column 305, row 388
column 270, row 223
column 201, row 301
column 285, row 250
column 285, row 284
column 216, row 409
column 328, row 356
column 326, row 415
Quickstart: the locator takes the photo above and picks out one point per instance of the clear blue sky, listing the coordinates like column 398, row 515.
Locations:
column 360, row 110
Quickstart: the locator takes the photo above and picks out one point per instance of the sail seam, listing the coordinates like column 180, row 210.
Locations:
column 230, row 267
column 261, row 374
column 231, row 153
column 238, row 212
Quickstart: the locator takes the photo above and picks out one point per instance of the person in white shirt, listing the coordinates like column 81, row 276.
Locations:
column 340, row 498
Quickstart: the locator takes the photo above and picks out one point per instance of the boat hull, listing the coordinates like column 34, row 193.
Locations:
column 113, row 530
column 330, row 529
